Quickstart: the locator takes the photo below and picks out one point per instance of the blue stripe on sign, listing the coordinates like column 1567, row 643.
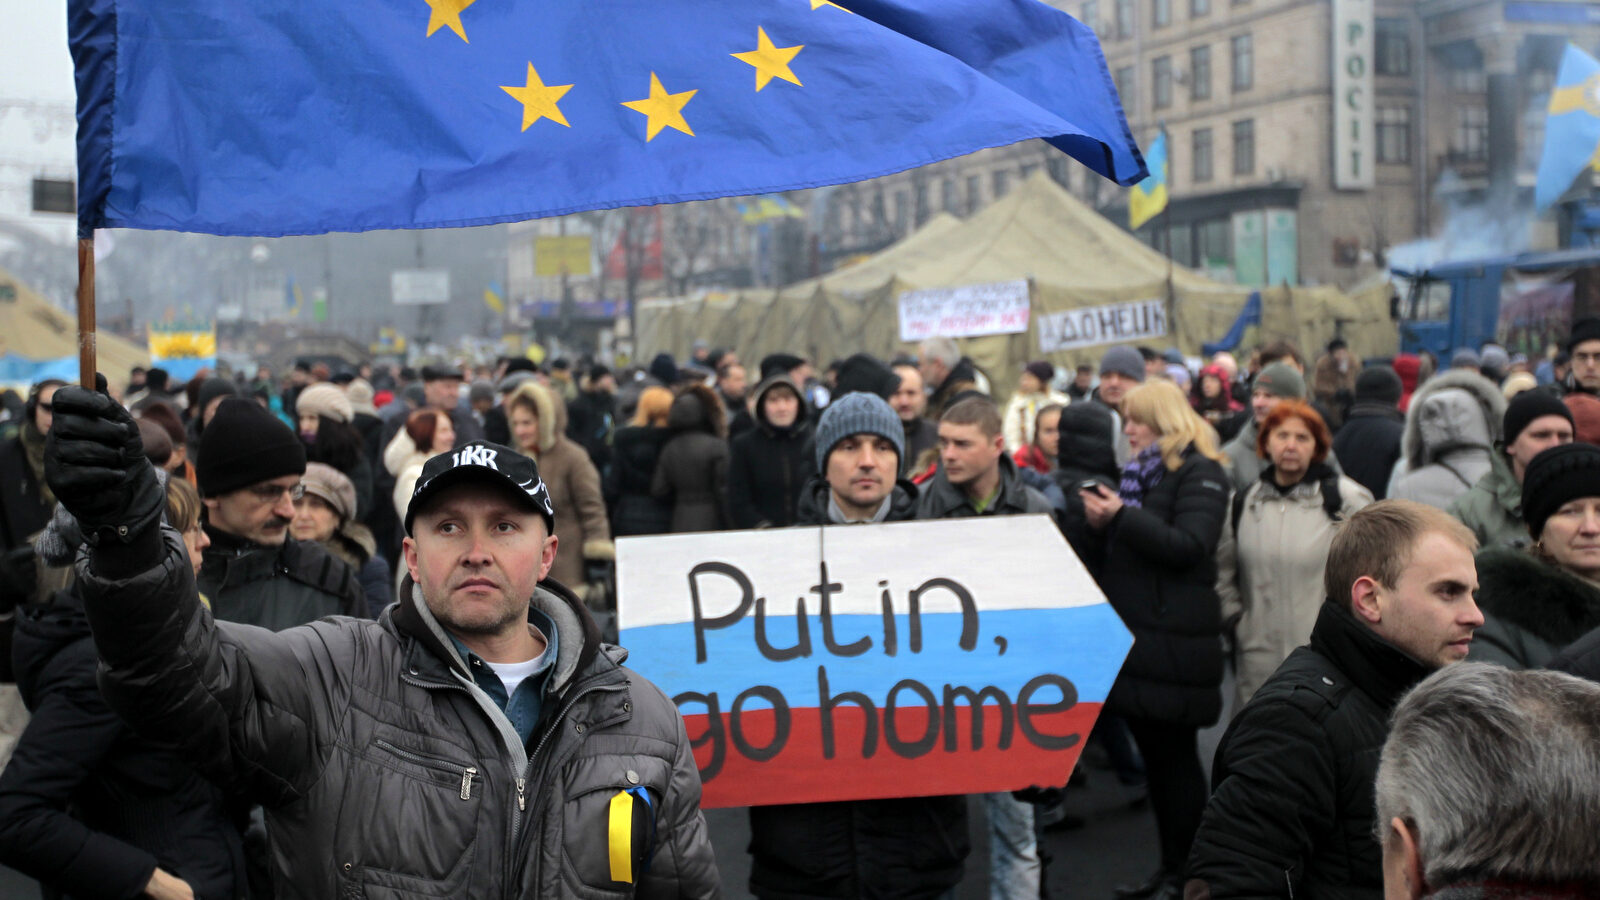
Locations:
column 1086, row 644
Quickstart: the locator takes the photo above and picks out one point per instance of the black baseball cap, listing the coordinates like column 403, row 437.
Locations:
column 489, row 463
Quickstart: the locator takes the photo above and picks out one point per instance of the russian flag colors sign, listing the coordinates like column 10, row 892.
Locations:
column 851, row 662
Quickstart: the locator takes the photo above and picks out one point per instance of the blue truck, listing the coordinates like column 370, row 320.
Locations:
column 1524, row 301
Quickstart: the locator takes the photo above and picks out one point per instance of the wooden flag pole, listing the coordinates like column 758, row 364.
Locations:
column 86, row 346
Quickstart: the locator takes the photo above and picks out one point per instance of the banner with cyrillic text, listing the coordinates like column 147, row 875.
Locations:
column 859, row 661
column 968, row 311
column 1112, row 323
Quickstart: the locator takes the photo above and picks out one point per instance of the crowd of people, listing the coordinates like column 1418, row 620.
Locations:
column 1337, row 534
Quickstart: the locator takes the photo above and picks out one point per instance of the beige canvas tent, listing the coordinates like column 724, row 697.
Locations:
column 1071, row 256
column 33, row 331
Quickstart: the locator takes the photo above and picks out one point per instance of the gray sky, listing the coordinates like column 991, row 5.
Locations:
column 36, row 98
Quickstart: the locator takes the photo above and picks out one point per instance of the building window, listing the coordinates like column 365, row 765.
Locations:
column 1469, row 81
column 1200, row 153
column 1244, row 63
column 1394, row 134
column 1161, row 76
column 1200, row 72
column 1123, row 78
column 902, row 210
column 948, row 201
column 974, row 193
column 1198, row 8
column 1472, row 133
column 1002, row 183
column 1244, row 147
column 1161, row 13
column 1211, row 244
column 1124, row 18
column 1392, row 45
column 1091, row 14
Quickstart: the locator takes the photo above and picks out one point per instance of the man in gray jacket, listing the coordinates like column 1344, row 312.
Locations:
column 477, row 741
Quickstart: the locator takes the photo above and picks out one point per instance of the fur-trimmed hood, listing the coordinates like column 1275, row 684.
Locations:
column 1545, row 600
column 1441, row 419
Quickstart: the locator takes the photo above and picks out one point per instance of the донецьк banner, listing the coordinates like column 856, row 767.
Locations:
column 299, row 116
column 944, row 657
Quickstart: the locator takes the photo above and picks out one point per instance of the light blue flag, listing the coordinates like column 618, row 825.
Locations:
column 1572, row 128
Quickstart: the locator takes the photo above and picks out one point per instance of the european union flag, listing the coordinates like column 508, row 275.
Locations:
column 1572, row 128
column 1149, row 197
column 306, row 116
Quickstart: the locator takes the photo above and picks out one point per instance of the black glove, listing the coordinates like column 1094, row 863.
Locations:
column 94, row 462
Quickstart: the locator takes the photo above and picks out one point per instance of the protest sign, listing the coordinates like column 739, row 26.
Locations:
column 894, row 660
column 1109, row 324
column 966, row 311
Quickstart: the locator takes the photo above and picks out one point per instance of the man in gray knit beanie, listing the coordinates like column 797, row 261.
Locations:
column 860, row 442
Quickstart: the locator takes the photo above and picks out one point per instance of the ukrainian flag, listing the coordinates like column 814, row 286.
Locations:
column 1149, row 196
column 1572, row 128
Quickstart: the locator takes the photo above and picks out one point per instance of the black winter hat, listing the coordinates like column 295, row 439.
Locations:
column 1556, row 477
column 1585, row 329
column 664, row 370
column 1530, row 405
column 244, row 445
column 863, row 372
column 779, row 364
column 1378, row 384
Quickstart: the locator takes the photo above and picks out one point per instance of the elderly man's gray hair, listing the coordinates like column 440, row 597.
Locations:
column 942, row 349
column 1497, row 773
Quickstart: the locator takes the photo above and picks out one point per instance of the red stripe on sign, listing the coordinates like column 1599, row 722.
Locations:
column 746, row 761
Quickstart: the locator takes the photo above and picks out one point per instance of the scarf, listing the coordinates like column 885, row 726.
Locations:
column 1142, row 473
column 33, row 447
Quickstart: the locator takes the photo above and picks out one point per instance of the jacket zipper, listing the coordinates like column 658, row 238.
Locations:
column 438, row 765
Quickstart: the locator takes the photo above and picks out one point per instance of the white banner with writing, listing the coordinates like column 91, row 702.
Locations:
column 967, row 311
column 1112, row 323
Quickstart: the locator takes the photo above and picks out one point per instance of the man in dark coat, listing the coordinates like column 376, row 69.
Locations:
column 254, row 572
column 1368, row 445
column 911, row 847
column 591, row 416
column 474, row 742
column 25, row 501
column 947, row 371
column 1291, row 811
column 910, row 401
column 768, row 464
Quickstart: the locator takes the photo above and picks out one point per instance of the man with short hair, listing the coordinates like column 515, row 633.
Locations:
column 1487, row 787
column 1278, row 381
column 478, row 741
column 976, row 477
column 732, row 389
column 441, row 390
column 1291, row 806
column 1492, row 508
column 896, row 847
column 1083, row 382
column 254, row 572
column 949, row 373
column 1121, row 370
column 910, row 401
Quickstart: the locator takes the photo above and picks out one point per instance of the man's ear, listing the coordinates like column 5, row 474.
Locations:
column 1364, row 602
column 1402, row 863
column 408, row 548
column 547, row 556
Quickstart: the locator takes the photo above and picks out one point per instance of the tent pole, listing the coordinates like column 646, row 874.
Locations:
column 1172, row 298
column 86, row 336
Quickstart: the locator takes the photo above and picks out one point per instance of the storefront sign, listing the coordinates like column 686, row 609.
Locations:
column 1353, row 119
column 967, row 311
column 1109, row 324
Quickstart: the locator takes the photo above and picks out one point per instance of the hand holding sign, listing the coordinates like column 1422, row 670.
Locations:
column 892, row 660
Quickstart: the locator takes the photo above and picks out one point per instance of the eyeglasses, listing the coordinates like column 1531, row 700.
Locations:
column 269, row 493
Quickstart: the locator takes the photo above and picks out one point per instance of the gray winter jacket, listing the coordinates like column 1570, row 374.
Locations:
column 384, row 769
column 1452, row 426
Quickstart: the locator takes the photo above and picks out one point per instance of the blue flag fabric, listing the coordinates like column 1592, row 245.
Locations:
column 306, row 116
column 1572, row 127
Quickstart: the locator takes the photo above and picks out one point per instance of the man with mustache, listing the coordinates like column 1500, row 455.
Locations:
column 249, row 473
column 478, row 740
column 1291, row 807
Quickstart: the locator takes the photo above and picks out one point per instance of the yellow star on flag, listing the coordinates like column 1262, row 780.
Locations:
column 818, row 4
column 447, row 12
column 770, row 62
column 538, row 99
column 662, row 110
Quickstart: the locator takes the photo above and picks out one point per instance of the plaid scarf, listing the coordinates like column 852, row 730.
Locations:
column 1142, row 473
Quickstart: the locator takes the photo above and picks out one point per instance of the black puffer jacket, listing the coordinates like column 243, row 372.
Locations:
column 383, row 769
column 634, row 510
column 1159, row 570
column 1368, row 445
column 768, row 465
column 23, row 510
column 277, row 587
column 1291, row 808
column 692, row 473
column 1086, row 453
column 1531, row 609
column 879, row 849
column 135, row 804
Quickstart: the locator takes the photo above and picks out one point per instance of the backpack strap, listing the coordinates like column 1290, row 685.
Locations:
column 1238, row 510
